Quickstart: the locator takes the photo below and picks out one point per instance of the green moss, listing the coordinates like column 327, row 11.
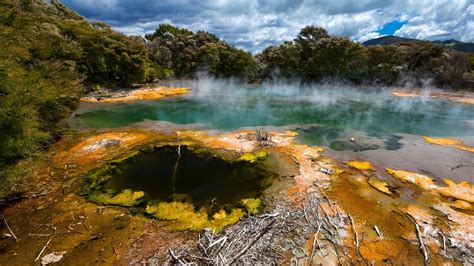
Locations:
column 186, row 217
column 125, row 157
column 96, row 179
column 253, row 157
column 126, row 198
column 252, row 205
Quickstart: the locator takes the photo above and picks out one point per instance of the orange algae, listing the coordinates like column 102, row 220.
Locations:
column 142, row 94
column 453, row 143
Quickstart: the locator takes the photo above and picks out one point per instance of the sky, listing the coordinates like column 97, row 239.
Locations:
column 256, row 24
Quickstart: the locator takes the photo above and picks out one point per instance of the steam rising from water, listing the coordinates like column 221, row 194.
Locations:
column 322, row 113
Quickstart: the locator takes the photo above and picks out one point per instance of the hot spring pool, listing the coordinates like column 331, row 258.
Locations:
column 322, row 115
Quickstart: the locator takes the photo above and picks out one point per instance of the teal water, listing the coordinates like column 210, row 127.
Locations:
column 326, row 116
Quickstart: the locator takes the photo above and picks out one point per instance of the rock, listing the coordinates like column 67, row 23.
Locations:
column 52, row 257
column 326, row 171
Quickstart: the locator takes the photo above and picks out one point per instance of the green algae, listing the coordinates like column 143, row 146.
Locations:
column 187, row 218
column 253, row 157
column 208, row 192
column 126, row 198
column 252, row 205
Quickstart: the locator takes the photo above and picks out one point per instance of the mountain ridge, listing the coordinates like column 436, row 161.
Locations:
column 460, row 46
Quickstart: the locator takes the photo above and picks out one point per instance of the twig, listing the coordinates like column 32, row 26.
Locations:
column 315, row 240
column 55, row 233
column 422, row 244
column 355, row 233
column 179, row 145
column 175, row 258
column 378, row 231
column 294, row 159
column 9, row 229
column 42, row 250
column 420, row 239
column 444, row 240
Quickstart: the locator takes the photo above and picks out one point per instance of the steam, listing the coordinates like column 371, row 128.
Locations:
column 259, row 104
column 325, row 111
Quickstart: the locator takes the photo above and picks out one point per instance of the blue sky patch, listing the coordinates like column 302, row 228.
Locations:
column 391, row 27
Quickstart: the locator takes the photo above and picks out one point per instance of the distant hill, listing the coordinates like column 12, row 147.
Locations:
column 452, row 44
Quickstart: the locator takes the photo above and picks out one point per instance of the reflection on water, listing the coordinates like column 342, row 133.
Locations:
column 202, row 178
column 338, row 112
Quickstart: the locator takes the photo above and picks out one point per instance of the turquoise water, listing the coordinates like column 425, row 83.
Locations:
column 322, row 115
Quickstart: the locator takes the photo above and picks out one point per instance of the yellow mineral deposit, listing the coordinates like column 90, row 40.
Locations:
column 361, row 165
column 141, row 94
column 463, row 191
column 380, row 185
column 422, row 181
column 453, row 143
column 467, row 98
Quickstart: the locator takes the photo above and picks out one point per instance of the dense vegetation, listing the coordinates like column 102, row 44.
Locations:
column 181, row 53
column 49, row 56
column 316, row 56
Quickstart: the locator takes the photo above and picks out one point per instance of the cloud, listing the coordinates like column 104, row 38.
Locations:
column 255, row 24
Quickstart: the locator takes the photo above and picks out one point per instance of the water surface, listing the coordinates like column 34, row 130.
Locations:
column 323, row 115
column 200, row 178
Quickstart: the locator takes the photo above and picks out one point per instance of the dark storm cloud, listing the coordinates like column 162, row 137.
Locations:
column 254, row 24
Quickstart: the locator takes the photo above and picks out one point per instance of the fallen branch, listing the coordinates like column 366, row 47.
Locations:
column 9, row 229
column 250, row 244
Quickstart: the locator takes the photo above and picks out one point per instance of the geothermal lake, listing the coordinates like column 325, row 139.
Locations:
column 322, row 115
